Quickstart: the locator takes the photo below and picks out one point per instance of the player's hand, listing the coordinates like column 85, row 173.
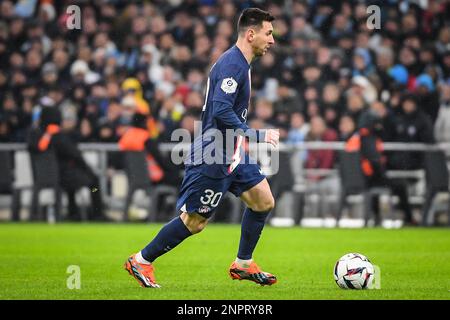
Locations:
column 272, row 137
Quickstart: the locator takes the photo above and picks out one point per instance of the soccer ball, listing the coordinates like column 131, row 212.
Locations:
column 354, row 271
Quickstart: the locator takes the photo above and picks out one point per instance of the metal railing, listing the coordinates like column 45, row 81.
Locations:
column 102, row 149
column 310, row 145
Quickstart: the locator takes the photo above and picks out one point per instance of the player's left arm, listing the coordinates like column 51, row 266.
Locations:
column 225, row 114
column 223, row 101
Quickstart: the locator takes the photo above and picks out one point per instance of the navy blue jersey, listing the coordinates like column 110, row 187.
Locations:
column 226, row 107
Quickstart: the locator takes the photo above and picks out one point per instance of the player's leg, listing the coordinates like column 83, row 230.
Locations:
column 171, row 235
column 193, row 199
column 198, row 198
column 140, row 264
column 260, row 202
column 254, row 190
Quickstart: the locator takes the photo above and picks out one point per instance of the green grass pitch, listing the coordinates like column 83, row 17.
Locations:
column 414, row 263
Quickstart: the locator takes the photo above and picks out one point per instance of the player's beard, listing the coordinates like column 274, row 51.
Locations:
column 259, row 52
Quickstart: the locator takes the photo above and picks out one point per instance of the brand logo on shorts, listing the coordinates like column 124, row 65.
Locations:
column 204, row 209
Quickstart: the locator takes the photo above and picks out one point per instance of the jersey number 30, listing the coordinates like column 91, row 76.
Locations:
column 211, row 198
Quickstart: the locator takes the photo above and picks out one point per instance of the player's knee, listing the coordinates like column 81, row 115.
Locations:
column 198, row 227
column 266, row 205
column 194, row 222
column 270, row 204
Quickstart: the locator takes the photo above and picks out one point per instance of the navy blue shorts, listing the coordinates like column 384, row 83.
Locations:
column 202, row 194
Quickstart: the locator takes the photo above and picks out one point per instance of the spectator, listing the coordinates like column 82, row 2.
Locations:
column 299, row 128
column 33, row 63
column 446, row 66
column 323, row 184
column 428, row 99
column 265, row 112
column 297, row 133
column 320, row 159
column 60, row 58
column 442, row 125
column 187, row 122
column 412, row 126
column 82, row 74
column 74, row 171
column 347, row 127
column 398, row 74
column 373, row 162
column 288, row 100
column 5, row 131
column 355, row 106
column 156, row 52
column 49, row 75
column 362, row 63
column 326, row 64
column 386, row 125
column 363, row 87
column 132, row 88
column 87, row 131
column 331, row 97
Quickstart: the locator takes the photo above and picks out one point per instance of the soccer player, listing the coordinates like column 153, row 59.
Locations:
column 226, row 106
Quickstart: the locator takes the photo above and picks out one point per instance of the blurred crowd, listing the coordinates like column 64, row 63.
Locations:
column 152, row 57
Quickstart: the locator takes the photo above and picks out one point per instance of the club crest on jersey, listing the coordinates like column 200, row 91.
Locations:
column 229, row 85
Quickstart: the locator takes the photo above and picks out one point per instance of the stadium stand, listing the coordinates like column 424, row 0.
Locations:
column 152, row 58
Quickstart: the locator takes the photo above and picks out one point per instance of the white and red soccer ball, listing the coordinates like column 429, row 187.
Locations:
column 354, row 271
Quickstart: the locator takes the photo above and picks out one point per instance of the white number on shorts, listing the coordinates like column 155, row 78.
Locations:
column 211, row 198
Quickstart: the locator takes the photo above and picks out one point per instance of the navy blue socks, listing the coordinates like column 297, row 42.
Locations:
column 251, row 228
column 172, row 234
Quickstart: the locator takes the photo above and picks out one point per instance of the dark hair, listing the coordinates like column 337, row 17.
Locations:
column 49, row 115
column 253, row 17
column 409, row 97
column 139, row 120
